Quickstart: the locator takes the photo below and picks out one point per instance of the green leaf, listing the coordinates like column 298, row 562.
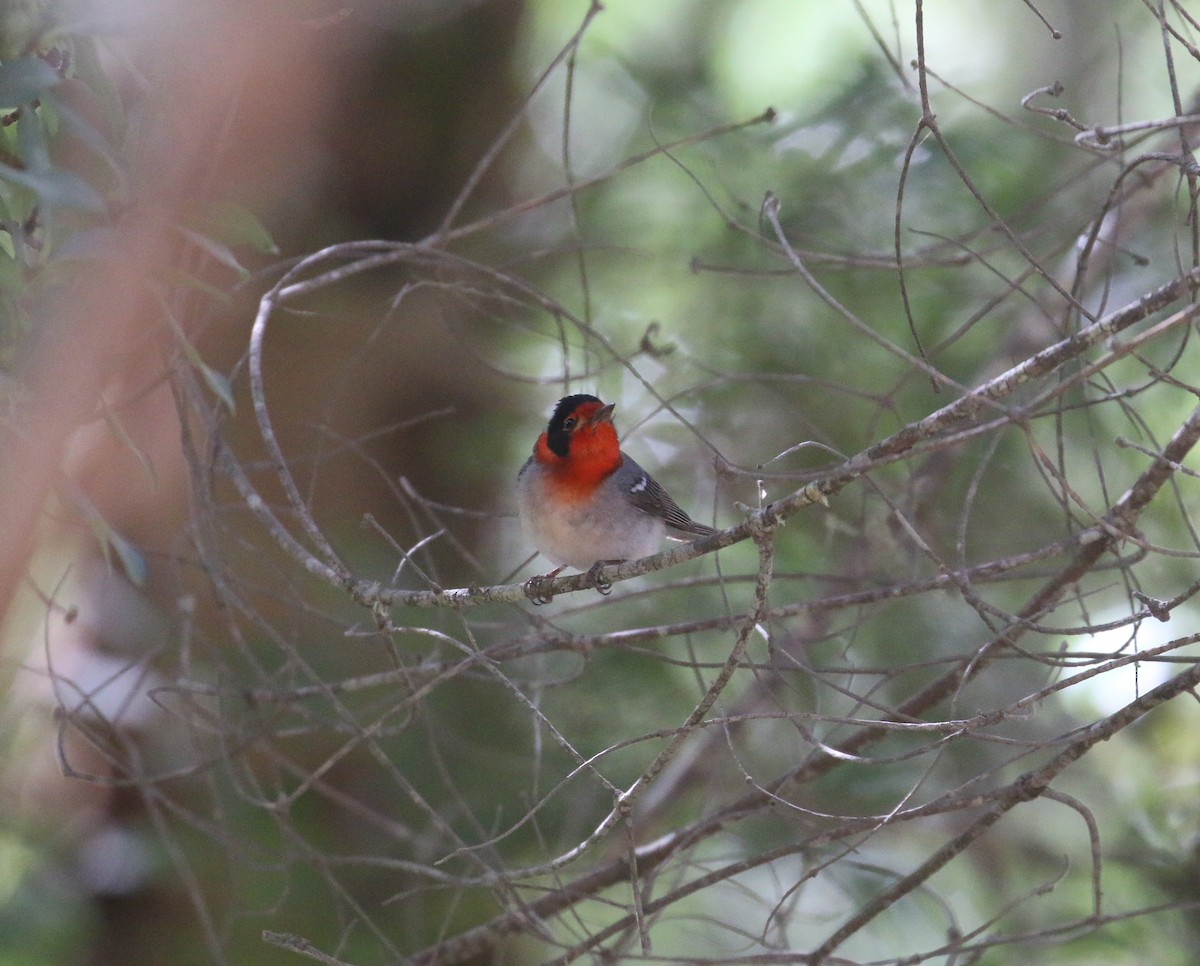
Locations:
column 12, row 275
column 215, row 381
column 132, row 562
column 118, row 430
column 31, row 142
column 217, row 250
column 75, row 123
column 218, row 383
column 23, row 81
column 234, row 225
column 53, row 186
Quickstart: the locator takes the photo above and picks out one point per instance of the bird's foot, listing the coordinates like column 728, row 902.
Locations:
column 537, row 589
column 596, row 578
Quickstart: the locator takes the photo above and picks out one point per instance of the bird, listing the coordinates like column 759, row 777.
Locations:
column 584, row 503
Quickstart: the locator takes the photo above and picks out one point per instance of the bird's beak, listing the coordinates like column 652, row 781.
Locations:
column 604, row 415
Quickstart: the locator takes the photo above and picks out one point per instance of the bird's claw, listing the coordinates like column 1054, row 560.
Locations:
column 596, row 578
column 537, row 589
column 540, row 589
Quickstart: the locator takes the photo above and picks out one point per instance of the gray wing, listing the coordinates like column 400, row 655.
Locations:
column 647, row 494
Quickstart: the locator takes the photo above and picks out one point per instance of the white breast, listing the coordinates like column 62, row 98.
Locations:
column 579, row 534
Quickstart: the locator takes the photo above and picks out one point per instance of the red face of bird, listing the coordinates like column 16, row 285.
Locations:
column 580, row 439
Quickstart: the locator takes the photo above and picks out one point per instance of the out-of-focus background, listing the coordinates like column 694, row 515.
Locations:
column 214, row 750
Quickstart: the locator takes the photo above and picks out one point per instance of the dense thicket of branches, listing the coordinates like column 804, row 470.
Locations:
column 919, row 339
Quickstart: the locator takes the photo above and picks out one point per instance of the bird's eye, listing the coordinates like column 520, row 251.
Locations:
column 569, row 422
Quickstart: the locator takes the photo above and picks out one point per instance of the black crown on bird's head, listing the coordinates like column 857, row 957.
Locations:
column 558, row 436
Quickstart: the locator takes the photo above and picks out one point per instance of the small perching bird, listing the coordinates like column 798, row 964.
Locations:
column 584, row 503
